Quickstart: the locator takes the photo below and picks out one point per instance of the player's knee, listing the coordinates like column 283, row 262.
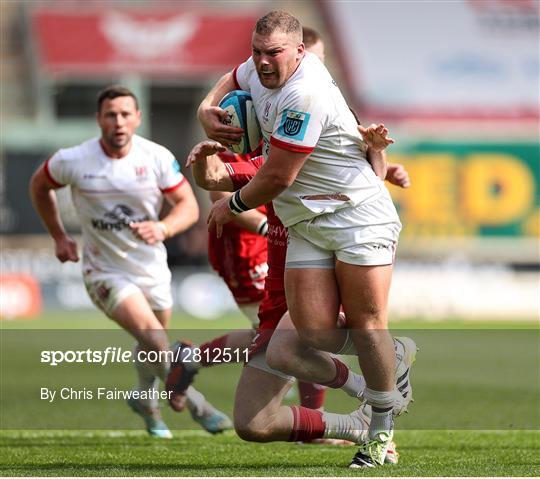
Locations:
column 365, row 338
column 280, row 353
column 313, row 338
column 249, row 434
column 278, row 360
column 371, row 317
column 371, row 322
column 252, row 430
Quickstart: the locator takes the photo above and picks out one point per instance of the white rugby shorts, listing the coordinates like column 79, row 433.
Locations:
column 364, row 235
column 108, row 290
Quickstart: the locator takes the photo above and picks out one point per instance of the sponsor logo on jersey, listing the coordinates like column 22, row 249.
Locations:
column 120, row 217
column 294, row 124
column 90, row 176
column 141, row 173
column 275, row 231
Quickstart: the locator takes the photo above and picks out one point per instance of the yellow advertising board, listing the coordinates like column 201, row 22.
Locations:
column 469, row 189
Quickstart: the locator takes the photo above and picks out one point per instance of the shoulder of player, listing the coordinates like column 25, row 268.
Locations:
column 302, row 94
column 250, row 71
column 248, row 65
column 311, row 75
column 78, row 152
column 151, row 148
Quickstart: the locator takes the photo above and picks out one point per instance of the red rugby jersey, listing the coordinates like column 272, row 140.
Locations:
column 239, row 256
column 274, row 305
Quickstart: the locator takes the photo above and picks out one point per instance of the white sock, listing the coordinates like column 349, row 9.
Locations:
column 381, row 422
column 146, row 380
column 195, row 401
column 379, row 399
column 382, row 403
column 344, row 426
column 355, row 385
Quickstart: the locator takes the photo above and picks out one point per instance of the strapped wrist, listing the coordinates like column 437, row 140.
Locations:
column 236, row 205
column 262, row 228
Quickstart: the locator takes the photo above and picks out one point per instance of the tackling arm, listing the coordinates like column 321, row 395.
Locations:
column 276, row 175
column 378, row 162
column 377, row 139
column 208, row 170
column 252, row 220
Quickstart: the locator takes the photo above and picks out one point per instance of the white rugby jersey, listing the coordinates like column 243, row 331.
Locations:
column 109, row 194
column 309, row 114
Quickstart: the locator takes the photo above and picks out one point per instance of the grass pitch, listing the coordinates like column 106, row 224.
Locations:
column 464, row 380
column 131, row 453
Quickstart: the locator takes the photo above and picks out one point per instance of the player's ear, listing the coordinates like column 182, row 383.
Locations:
column 300, row 49
column 138, row 114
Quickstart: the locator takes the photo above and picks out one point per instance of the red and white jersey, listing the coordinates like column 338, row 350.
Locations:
column 239, row 256
column 309, row 115
column 109, row 194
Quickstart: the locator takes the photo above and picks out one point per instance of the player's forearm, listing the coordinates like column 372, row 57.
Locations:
column 275, row 176
column 45, row 204
column 262, row 189
column 181, row 217
column 378, row 162
column 252, row 220
column 210, row 174
column 223, row 86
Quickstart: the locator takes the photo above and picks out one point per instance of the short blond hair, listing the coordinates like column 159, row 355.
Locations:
column 279, row 20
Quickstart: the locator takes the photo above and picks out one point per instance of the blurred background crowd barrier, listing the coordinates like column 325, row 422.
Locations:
column 457, row 83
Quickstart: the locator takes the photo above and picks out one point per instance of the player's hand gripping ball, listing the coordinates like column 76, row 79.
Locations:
column 241, row 114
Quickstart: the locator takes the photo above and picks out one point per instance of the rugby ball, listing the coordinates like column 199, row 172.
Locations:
column 241, row 113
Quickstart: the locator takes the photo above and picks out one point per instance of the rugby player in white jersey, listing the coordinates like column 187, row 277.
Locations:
column 276, row 354
column 118, row 184
column 343, row 226
column 232, row 258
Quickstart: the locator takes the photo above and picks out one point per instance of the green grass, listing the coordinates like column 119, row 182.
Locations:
column 468, row 377
column 96, row 320
column 423, row 453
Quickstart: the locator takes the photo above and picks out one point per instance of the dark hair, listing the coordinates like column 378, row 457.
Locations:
column 278, row 20
column 114, row 91
column 310, row 36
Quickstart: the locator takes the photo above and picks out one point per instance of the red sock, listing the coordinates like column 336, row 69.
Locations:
column 342, row 374
column 212, row 351
column 311, row 395
column 308, row 424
